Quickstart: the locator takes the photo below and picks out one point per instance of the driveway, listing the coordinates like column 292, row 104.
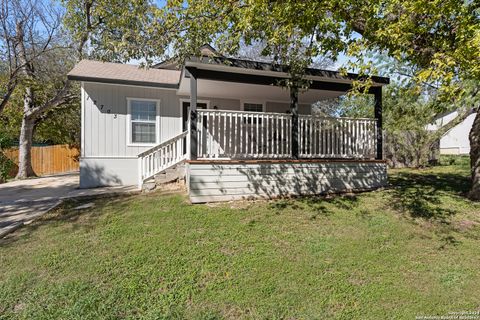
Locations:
column 24, row 200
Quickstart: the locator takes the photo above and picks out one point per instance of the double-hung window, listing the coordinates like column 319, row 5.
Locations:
column 253, row 107
column 143, row 121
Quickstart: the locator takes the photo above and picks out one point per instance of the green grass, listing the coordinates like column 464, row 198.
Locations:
column 412, row 249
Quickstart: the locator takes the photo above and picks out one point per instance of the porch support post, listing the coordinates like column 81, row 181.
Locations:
column 294, row 111
column 193, row 114
column 378, row 115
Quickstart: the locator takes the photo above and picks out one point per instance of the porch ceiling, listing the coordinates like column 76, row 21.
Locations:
column 253, row 92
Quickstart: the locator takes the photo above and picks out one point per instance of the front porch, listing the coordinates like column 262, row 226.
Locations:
column 232, row 153
column 235, row 155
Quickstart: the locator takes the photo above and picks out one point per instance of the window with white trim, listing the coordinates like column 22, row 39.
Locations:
column 253, row 107
column 143, row 121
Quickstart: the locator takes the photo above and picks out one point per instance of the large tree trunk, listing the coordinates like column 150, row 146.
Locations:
column 25, row 169
column 475, row 158
column 28, row 120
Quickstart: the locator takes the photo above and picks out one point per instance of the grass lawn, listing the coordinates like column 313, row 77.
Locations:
column 412, row 249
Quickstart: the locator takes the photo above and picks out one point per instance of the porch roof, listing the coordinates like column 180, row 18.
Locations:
column 233, row 65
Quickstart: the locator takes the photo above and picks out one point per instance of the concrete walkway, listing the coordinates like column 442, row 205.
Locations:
column 25, row 200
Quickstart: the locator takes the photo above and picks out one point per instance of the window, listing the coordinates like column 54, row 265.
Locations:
column 253, row 107
column 143, row 121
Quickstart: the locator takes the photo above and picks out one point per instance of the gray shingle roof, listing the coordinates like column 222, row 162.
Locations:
column 267, row 66
column 107, row 72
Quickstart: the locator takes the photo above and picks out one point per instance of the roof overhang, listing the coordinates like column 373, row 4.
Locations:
column 254, row 72
column 122, row 82
column 124, row 74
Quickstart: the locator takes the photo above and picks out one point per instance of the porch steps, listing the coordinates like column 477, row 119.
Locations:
column 171, row 177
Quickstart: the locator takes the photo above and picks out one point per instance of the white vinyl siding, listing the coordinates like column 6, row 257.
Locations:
column 106, row 129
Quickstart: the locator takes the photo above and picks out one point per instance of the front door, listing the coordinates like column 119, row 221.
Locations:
column 186, row 111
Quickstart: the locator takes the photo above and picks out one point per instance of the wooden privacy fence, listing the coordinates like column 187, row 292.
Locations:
column 48, row 159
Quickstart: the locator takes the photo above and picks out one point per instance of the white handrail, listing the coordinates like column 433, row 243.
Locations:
column 161, row 157
column 242, row 112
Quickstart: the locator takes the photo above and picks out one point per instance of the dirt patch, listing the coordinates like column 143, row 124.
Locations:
column 465, row 225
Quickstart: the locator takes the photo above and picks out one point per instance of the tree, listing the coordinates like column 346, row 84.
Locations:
column 441, row 38
column 5, row 163
column 40, row 55
column 56, row 126
column 10, row 64
column 409, row 110
column 118, row 30
column 409, row 115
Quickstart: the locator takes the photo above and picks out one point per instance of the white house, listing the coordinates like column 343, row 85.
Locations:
column 239, row 133
column 456, row 140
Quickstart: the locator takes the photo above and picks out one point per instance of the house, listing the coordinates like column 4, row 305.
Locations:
column 456, row 141
column 238, row 132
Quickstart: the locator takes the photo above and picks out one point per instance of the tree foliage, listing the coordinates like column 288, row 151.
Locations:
column 440, row 36
column 5, row 163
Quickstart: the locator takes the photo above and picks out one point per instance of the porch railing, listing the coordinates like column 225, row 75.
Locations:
column 260, row 135
column 325, row 137
column 241, row 134
column 161, row 157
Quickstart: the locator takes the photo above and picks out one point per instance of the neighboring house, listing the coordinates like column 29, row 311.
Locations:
column 239, row 133
column 456, row 140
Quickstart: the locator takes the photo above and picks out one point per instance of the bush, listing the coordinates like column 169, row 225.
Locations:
column 458, row 160
column 5, row 163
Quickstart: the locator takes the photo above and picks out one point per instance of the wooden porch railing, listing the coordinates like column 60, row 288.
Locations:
column 161, row 157
column 257, row 135
column 324, row 137
column 241, row 134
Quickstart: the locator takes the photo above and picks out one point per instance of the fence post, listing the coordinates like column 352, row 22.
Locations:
column 294, row 111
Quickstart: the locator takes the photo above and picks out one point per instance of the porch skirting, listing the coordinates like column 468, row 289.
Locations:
column 222, row 180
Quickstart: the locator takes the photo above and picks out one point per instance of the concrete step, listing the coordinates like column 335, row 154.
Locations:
column 168, row 176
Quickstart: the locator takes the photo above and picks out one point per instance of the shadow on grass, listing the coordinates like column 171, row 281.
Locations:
column 76, row 219
column 426, row 196
column 421, row 195
column 318, row 205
